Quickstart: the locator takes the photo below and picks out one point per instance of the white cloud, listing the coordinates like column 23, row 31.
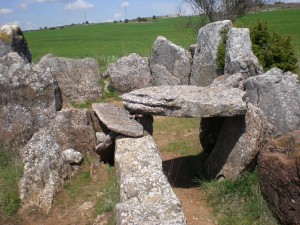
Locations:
column 23, row 6
column 125, row 4
column 118, row 15
column 79, row 5
column 42, row 1
column 5, row 11
column 16, row 22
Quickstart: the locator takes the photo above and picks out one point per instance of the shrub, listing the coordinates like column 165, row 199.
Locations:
column 221, row 53
column 272, row 49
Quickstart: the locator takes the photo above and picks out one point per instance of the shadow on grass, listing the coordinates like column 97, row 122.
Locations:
column 186, row 171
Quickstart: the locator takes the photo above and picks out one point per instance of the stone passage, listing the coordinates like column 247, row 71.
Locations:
column 146, row 195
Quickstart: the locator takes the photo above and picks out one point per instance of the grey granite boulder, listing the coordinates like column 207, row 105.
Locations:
column 145, row 194
column 170, row 64
column 239, row 56
column 72, row 156
column 77, row 78
column 236, row 80
column 277, row 94
column 13, row 40
column 27, row 99
column 204, row 69
column 239, row 142
column 118, row 120
column 44, row 171
column 186, row 101
column 130, row 73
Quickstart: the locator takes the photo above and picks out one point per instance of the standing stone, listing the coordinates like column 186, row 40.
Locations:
column 238, row 144
column 239, row 56
column 204, row 69
column 170, row 64
column 12, row 40
column 277, row 94
column 44, row 171
column 145, row 194
column 279, row 176
column 130, row 73
column 77, row 78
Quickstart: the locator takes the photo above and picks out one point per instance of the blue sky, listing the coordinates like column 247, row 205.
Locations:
column 33, row 14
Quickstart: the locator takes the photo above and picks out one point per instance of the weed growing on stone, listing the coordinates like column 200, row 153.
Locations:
column 238, row 202
column 10, row 174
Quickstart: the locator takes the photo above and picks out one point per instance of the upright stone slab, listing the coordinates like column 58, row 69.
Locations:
column 146, row 196
column 239, row 56
column 12, row 40
column 170, row 64
column 204, row 69
column 118, row 120
column 277, row 94
column 186, row 101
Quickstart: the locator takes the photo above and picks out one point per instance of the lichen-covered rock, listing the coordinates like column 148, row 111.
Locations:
column 238, row 144
column 44, row 171
column 72, row 156
column 130, row 73
column 146, row 196
column 77, row 78
column 277, row 94
column 186, row 101
column 27, row 99
column 12, row 40
column 204, row 69
column 239, row 56
column 236, row 80
column 279, row 176
column 170, row 64
column 118, row 120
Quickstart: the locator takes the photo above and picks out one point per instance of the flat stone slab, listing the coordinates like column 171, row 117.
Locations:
column 145, row 193
column 186, row 101
column 117, row 120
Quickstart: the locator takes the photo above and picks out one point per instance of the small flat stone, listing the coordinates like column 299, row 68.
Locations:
column 118, row 120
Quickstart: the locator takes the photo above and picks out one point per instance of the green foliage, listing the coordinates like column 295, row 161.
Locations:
column 111, row 195
column 10, row 174
column 272, row 49
column 221, row 53
column 238, row 202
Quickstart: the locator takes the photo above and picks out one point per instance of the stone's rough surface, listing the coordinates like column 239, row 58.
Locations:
column 238, row 144
column 72, row 156
column 236, row 80
column 77, row 78
column 44, row 171
column 117, row 120
column 186, row 101
column 239, row 56
column 12, row 40
column 130, row 73
column 146, row 196
column 73, row 128
column 170, row 64
column 277, row 94
column 204, row 69
column 27, row 100
column 279, row 173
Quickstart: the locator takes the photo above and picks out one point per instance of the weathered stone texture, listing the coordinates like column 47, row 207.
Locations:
column 204, row 69
column 238, row 144
column 12, row 40
column 146, row 195
column 239, row 56
column 170, row 64
column 130, row 73
column 277, row 94
column 118, row 120
column 186, row 101
column 77, row 78
column 278, row 167
column 44, row 171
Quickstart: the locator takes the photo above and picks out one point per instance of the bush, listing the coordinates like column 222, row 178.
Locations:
column 272, row 49
column 221, row 53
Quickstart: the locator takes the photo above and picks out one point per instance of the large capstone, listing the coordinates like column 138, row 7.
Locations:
column 204, row 69
column 186, row 101
column 170, row 64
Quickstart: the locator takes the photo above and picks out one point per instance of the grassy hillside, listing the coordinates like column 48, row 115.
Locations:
column 106, row 40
